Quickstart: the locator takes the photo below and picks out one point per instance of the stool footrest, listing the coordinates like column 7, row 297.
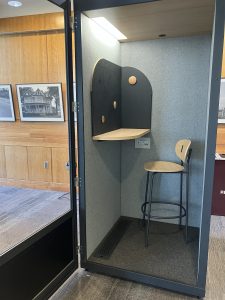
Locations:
column 164, row 203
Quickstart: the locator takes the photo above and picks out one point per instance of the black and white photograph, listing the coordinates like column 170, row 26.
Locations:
column 221, row 115
column 6, row 103
column 40, row 102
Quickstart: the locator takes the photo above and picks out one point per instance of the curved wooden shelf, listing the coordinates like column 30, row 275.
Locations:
column 121, row 134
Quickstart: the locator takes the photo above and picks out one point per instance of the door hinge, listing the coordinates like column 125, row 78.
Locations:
column 79, row 249
column 77, row 182
column 74, row 106
column 72, row 22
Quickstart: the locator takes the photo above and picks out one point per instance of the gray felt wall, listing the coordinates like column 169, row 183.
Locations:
column 178, row 69
column 102, row 160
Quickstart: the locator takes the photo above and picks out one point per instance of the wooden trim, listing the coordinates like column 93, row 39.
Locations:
column 220, row 142
column 52, row 186
column 34, row 23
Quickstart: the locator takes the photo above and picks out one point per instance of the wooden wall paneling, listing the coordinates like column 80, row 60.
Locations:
column 57, row 63
column 64, row 187
column 220, row 142
column 49, row 21
column 34, row 134
column 2, row 162
column 33, row 57
column 60, row 157
column 223, row 65
column 37, row 158
column 34, row 62
column 10, row 70
column 16, row 162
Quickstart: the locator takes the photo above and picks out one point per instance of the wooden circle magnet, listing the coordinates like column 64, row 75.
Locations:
column 132, row 80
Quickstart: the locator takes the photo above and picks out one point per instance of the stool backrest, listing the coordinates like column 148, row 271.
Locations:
column 182, row 148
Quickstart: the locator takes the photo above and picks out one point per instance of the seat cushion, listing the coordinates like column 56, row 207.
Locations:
column 163, row 167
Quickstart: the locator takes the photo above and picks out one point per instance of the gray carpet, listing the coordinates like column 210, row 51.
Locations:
column 168, row 256
column 25, row 211
column 83, row 285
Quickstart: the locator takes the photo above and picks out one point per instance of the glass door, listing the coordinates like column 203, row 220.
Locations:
column 37, row 149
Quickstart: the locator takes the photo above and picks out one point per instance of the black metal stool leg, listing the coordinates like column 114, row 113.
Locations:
column 181, row 199
column 146, row 199
column 149, row 211
column 187, row 204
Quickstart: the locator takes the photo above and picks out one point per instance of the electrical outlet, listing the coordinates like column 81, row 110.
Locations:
column 142, row 143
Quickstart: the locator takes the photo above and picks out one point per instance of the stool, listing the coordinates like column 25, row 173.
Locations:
column 183, row 152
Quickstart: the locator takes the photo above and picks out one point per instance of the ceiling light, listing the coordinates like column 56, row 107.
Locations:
column 15, row 3
column 106, row 25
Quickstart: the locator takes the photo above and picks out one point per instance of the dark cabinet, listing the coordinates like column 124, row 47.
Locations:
column 218, row 203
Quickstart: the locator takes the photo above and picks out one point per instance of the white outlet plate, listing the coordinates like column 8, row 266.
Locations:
column 142, row 143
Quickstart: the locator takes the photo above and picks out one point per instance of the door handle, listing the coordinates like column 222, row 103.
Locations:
column 46, row 164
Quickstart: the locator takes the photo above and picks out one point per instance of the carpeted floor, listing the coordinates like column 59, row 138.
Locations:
column 167, row 256
column 25, row 211
column 82, row 285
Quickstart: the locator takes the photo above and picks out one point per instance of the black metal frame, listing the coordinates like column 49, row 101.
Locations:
column 148, row 203
column 72, row 214
column 214, row 84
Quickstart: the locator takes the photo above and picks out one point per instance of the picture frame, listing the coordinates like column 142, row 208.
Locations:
column 221, row 112
column 40, row 102
column 6, row 104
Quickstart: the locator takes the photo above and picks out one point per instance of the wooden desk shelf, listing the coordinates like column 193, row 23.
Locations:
column 121, row 134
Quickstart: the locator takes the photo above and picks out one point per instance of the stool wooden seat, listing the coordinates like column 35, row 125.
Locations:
column 153, row 168
column 163, row 167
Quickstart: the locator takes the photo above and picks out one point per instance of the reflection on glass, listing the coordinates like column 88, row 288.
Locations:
column 34, row 155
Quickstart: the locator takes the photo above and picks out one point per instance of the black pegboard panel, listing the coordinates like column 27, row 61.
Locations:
column 106, row 88
column 134, row 102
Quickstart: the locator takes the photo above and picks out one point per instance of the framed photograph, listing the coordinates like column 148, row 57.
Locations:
column 221, row 114
column 6, row 103
column 40, row 102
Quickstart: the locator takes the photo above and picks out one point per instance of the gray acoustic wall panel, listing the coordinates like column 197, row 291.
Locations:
column 178, row 70
column 102, row 159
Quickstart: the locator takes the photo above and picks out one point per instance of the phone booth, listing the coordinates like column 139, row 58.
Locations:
column 148, row 80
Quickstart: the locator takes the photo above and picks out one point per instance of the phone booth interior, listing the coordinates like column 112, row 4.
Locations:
column 145, row 87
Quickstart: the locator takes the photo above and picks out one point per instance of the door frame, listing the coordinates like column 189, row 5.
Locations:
column 29, row 246
column 212, row 115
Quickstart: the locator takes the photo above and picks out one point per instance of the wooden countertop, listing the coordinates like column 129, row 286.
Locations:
column 121, row 134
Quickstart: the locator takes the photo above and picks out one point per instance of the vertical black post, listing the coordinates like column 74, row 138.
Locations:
column 212, row 119
column 70, row 110
column 80, row 126
column 181, row 199
column 146, row 198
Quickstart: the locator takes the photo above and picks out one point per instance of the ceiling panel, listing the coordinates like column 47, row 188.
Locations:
column 170, row 17
column 29, row 7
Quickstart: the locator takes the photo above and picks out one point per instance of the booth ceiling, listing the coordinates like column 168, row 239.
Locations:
column 165, row 17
